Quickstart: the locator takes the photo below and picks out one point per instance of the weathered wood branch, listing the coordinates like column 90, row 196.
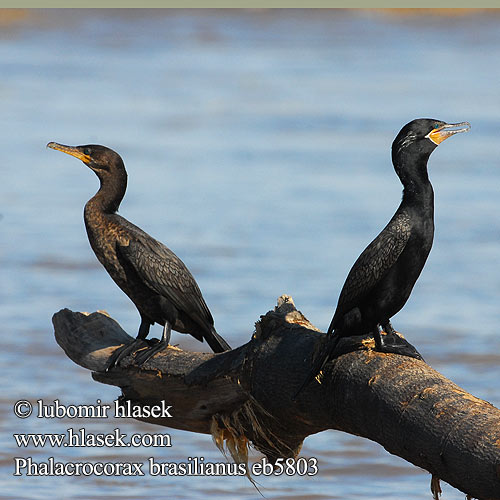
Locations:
column 245, row 394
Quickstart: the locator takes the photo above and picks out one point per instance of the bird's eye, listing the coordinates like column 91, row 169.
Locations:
column 86, row 151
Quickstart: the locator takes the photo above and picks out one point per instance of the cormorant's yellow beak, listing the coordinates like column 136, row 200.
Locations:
column 439, row 134
column 71, row 151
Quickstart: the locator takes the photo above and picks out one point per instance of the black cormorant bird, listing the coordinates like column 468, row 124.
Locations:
column 153, row 277
column 383, row 276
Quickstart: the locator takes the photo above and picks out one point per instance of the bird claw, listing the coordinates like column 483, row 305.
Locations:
column 123, row 351
column 392, row 342
column 150, row 351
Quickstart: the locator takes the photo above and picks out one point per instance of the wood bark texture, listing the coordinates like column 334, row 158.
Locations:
column 244, row 396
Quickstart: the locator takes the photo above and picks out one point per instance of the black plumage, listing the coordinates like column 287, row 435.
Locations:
column 383, row 276
column 153, row 277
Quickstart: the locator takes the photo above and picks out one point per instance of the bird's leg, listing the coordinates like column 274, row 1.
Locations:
column 126, row 349
column 167, row 333
column 152, row 350
column 388, row 328
column 393, row 342
column 379, row 343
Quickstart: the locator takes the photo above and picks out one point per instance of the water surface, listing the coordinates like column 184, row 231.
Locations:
column 258, row 148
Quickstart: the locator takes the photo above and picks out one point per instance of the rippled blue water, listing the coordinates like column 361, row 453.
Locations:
column 258, row 148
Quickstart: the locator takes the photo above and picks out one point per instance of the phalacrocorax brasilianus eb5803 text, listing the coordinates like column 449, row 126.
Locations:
column 153, row 277
column 383, row 276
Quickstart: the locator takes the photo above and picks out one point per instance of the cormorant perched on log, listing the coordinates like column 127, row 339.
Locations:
column 153, row 277
column 383, row 276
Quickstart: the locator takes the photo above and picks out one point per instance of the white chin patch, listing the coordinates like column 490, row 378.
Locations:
column 428, row 136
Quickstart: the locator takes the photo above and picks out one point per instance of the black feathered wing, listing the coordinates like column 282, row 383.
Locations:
column 164, row 273
column 370, row 267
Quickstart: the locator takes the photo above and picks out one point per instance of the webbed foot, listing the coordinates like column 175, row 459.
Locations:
column 393, row 342
column 157, row 347
column 123, row 352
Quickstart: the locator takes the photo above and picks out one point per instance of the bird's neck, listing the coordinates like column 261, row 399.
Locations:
column 417, row 187
column 420, row 197
column 107, row 200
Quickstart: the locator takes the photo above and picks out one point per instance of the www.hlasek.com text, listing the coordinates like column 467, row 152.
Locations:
column 80, row 438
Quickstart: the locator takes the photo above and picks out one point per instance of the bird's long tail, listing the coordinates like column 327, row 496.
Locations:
column 216, row 342
column 323, row 354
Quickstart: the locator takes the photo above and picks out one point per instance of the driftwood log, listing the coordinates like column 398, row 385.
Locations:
column 244, row 396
